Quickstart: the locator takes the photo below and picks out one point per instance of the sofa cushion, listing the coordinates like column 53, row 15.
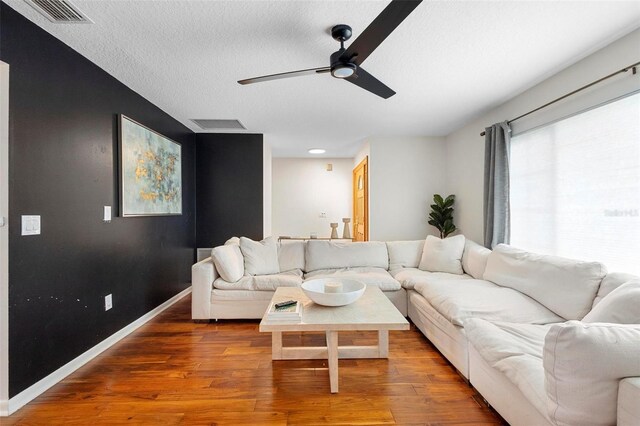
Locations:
column 232, row 240
column 404, row 254
column 228, row 261
column 291, row 255
column 516, row 351
column 567, row 287
column 335, row 255
column 240, row 296
column 474, row 259
column 628, row 397
column 262, row 282
column 610, row 282
column 459, row 300
column 583, row 365
column 260, row 257
column 621, row 306
column 408, row 277
column 369, row 275
column 443, row 255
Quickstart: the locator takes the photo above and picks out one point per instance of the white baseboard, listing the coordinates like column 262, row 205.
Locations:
column 14, row 404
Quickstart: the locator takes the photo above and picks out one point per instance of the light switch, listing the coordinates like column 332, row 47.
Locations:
column 107, row 214
column 30, row 225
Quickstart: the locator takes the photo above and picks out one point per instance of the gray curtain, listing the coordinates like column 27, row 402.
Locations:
column 497, row 148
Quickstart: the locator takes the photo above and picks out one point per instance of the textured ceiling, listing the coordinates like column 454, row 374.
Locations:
column 448, row 62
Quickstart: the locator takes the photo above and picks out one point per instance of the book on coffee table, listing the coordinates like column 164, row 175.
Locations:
column 287, row 313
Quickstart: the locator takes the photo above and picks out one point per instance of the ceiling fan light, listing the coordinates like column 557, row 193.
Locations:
column 343, row 70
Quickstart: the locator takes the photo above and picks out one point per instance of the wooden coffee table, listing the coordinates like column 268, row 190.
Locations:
column 373, row 311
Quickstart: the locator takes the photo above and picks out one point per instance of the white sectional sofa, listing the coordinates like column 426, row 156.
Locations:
column 522, row 328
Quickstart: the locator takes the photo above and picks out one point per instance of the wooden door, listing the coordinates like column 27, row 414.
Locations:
column 361, row 201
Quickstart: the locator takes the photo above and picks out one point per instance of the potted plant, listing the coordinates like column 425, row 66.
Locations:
column 441, row 215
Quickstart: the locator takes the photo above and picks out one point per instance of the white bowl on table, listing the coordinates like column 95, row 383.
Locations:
column 350, row 292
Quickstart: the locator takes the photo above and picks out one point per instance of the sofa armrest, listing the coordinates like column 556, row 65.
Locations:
column 628, row 406
column 584, row 364
column 203, row 274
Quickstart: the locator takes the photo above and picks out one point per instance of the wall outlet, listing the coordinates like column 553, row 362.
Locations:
column 323, row 215
column 108, row 302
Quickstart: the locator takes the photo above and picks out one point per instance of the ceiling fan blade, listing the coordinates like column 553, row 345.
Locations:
column 368, row 82
column 379, row 30
column 285, row 75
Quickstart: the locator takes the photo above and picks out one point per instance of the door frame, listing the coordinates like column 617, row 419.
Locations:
column 4, row 239
column 364, row 163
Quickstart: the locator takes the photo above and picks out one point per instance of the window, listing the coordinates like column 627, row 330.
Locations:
column 575, row 187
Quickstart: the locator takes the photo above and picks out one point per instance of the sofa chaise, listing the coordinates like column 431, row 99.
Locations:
column 509, row 321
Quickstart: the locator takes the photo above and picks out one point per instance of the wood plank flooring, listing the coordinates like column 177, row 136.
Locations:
column 172, row 371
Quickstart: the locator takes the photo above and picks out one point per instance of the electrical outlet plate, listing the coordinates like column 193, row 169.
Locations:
column 107, row 214
column 30, row 225
column 108, row 302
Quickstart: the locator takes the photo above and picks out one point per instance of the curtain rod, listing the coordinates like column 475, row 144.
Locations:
column 625, row 69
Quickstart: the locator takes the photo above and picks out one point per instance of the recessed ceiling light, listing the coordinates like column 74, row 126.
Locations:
column 317, row 151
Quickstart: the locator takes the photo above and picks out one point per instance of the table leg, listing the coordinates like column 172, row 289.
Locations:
column 276, row 345
column 332, row 358
column 383, row 343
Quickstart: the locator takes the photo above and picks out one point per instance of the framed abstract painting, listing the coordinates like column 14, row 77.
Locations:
column 150, row 171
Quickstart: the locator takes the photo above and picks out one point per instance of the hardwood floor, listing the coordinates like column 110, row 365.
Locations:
column 173, row 371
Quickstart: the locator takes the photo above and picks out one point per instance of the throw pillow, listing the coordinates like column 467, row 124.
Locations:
column 621, row 306
column 443, row 255
column 260, row 257
column 232, row 240
column 229, row 262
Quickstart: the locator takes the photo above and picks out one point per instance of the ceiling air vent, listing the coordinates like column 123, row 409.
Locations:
column 60, row 11
column 208, row 124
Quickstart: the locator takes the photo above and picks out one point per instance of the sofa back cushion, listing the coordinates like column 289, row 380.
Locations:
column 566, row 287
column 583, row 366
column 443, row 255
column 610, row 282
column 228, row 261
column 474, row 259
column 621, row 306
column 232, row 240
column 291, row 255
column 334, row 255
column 404, row 254
column 260, row 257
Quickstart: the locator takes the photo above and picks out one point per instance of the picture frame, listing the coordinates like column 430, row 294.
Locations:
column 150, row 171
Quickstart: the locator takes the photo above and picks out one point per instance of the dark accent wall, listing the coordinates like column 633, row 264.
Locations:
column 229, row 187
column 63, row 142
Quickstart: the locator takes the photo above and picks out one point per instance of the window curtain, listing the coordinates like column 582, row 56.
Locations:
column 497, row 146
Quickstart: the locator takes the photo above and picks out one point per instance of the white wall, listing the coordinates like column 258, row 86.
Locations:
column 364, row 151
column 266, row 188
column 465, row 147
column 302, row 188
column 404, row 173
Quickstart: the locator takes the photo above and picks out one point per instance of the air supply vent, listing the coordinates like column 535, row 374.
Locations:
column 214, row 124
column 60, row 11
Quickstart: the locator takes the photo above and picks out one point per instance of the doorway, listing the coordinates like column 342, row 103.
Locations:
column 361, row 201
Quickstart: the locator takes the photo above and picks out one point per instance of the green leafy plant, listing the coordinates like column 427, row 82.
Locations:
column 441, row 215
